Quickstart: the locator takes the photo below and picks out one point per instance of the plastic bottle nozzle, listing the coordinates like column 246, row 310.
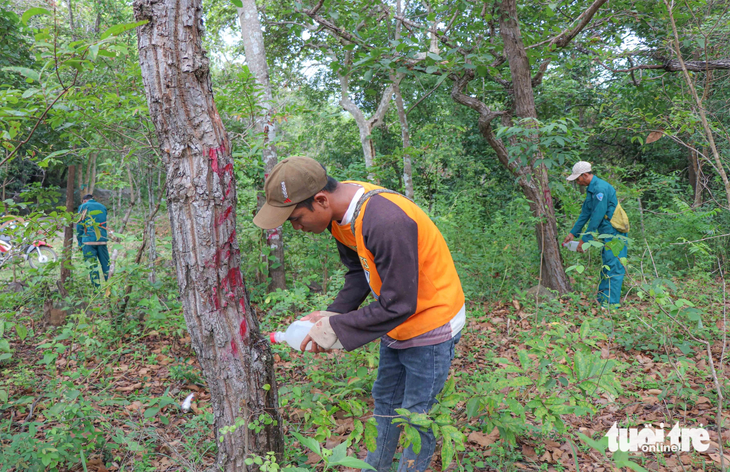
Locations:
column 272, row 337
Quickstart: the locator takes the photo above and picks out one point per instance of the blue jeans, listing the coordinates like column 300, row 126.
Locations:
column 612, row 274
column 408, row 378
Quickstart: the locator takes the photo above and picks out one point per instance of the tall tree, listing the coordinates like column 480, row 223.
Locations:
column 467, row 47
column 253, row 45
column 201, row 199
column 346, row 41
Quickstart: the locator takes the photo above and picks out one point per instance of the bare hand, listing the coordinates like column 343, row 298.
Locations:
column 313, row 317
column 568, row 238
column 580, row 247
column 315, row 348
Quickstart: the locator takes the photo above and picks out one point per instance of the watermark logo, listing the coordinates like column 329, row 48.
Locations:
column 650, row 439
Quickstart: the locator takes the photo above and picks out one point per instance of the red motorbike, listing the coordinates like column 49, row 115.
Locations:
column 36, row 253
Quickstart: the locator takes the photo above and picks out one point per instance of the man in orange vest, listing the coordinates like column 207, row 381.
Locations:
column 393, row 251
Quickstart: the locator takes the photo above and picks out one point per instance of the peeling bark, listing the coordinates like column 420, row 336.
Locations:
column 201, row 200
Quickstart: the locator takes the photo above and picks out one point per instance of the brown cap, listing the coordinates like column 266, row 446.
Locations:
column 293, row 180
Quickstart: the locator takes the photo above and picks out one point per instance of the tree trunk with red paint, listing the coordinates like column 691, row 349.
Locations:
column 201, row 200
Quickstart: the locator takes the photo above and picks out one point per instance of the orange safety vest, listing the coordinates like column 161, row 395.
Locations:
column 440, row 296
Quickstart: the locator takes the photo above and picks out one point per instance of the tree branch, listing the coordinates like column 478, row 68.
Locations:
column 565, row 37
column 675, row 66
column 568, row 34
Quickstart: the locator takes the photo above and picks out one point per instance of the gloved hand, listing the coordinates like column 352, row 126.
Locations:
column 318, row 315
column 321, row 335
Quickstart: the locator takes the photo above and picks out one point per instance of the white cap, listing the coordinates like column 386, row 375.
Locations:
column 581, row 167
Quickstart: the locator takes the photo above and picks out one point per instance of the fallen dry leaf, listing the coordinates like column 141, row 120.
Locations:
column 528, row 452
column 482, row 439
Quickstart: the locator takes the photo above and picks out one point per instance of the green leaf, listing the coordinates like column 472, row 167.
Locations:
column 310, row 443
column 150, row 412
column 434, row 56
column 521, row 381
column 116, row 30
column 33, row 12
column 237, row 3
column 447, row 453
column 413, row 437
column 21, row 331
column 25, row 72
column 6, row 356
column 371, row 434
column 2, row 328
column 600, row 445
column 93, row 51
column 3, row 396
column 354, row 463
column 338, row 453
column 30, row 92
column 472, row 407
column 431, row 69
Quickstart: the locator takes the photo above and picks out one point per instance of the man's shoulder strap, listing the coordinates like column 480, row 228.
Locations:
column 364, row 198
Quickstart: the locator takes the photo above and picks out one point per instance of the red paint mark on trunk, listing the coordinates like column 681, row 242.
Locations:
column 235, row 279
column 548, row 198
column 224, row 216
column 214, row 299
column 242, row 304
column 243, row 329
column 232, row 237
column 213, row 156
column 228, row 189
column 234, row 347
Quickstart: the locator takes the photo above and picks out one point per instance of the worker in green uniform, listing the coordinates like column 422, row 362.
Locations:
column 92, row 236
column 597, row 211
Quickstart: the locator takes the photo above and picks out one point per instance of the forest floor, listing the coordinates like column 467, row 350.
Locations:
column 127, row 395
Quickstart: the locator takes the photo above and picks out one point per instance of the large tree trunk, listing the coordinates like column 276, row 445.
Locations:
column 537, row 188
column 68, row 233
column 201, row 199
column 253, row 45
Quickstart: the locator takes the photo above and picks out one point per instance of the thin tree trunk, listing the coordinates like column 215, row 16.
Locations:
column 366, row 125
column 80, row 171
column 403, row 117
column 152, row 247
column 92, row 176
column 68, row 233
column 71, row 25
column 700, row 107
column 132, row 201
column 406, row 137
column 695, row 177
column 87, row 182
column 201, row 199
column 253, row 45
